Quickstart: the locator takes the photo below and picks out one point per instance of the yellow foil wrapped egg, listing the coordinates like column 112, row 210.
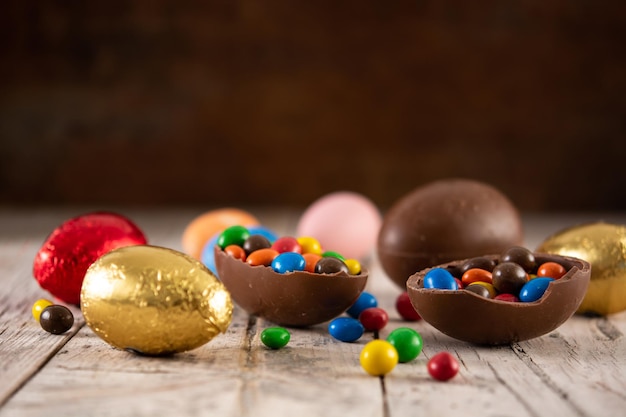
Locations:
column 154, row 301
column 603, row 245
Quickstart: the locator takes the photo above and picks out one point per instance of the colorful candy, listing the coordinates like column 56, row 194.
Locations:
column 440, row 278
column 373, row 318
column 38, row 307
column 407, row 342
column 502, row 279
column 443, row 366
column 286, row 244
column 288, row 262
column 309, row 244
column 56, row 319
column 345, row 329
column 233, row 235
column 263, row 257
column 365, row 300
column 275, row 337
column 378, row 357
column 405, row 308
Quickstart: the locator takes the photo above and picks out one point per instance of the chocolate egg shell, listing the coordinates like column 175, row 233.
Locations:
column 443, row 221
column 295, row 299
column 469, row 317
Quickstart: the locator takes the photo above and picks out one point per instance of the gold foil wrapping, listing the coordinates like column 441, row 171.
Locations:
column 603, row 245
column 154, row 301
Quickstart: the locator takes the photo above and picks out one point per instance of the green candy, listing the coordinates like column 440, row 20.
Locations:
column 333, row 254
column 233, row 235
column 275, row 337
column 407, row 342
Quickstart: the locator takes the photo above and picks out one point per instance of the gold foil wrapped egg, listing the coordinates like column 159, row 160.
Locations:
column 603, row 245
column 154, row 301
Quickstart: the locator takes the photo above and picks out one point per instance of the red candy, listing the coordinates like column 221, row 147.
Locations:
column 373, row 318
column 405, row 308
column 64, row 257
column 506, row 297
column 551, row 270
column 287, row 244
column 443, row 366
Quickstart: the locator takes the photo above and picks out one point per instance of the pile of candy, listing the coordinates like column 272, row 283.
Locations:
column 285, row 254
column 516, row 277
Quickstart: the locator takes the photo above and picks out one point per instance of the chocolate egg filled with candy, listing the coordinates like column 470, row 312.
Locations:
column 63, row 259
column 472, row 317
column 280, row 288
column 154, row 301
column 443, row 221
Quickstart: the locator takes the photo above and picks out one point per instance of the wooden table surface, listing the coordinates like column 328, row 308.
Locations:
column 577, row 370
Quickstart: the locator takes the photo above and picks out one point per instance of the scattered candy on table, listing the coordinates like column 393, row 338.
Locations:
column 38, row 307
column 365, row 300
column 275, row 337
column 373, row 319
column 346, row 329
column 56, row 319
column 405, row 308
column 407, row 342
column 378, row 357
column 443, row 366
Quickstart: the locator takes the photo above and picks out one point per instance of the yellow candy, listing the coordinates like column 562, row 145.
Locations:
column 490, row 287
column 354, row 266
column 378, row 357
column 39, row 306
column 310, row 245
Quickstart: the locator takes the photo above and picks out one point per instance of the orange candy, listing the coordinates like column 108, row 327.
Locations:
column 551, row 270
column 310, row 260
column 236, row 252
column 262, row 257
column 476, row 275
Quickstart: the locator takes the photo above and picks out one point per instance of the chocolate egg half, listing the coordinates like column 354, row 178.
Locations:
column 154, row 301
column 470, row 317
column 443, row 221
column 295, row 299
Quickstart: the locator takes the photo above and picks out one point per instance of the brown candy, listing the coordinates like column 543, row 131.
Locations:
column 56, row 319
column 472, row 318
column 294, row 299
column 330, row 265
column 443, row 221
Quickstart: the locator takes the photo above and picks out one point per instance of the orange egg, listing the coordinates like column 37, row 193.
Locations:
column 204, row 227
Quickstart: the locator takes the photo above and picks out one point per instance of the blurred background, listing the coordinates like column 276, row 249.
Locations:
column 254, row 103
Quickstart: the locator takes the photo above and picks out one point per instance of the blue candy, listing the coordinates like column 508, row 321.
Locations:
column 441, row 279
column 288, row 262
column 345, row 329
column 534, row 289
column 208, row 257
column 365, row 300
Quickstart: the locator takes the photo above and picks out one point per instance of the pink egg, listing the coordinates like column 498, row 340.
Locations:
column 343, row 221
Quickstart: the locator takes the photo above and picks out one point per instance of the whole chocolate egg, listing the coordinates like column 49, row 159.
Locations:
column 63, row 259
column 154, row 301
column 443, row 221
column 602, row 245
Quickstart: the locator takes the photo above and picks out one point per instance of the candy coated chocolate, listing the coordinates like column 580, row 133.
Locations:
column 294, row 299
column 443, row 221
column 496, row 322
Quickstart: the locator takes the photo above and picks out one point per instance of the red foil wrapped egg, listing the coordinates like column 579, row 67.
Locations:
column 63, row 259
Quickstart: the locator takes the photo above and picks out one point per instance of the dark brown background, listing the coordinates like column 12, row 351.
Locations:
column 248, row 102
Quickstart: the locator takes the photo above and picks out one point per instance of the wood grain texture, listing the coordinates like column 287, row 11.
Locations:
column 576, row 370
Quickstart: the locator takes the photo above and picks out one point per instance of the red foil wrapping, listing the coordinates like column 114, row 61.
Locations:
column 63, row 259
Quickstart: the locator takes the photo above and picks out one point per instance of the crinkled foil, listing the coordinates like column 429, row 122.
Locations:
column 603, row 245
column 154, row 301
